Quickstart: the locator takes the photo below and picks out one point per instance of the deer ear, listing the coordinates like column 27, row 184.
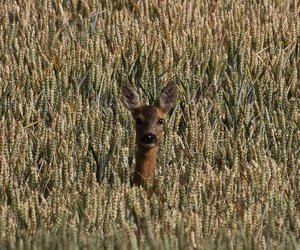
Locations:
column 168, row 97
column 130, row 97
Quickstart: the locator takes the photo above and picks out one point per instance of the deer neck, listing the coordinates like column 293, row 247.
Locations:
column 145, row 167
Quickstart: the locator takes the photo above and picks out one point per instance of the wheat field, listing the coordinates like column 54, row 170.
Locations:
column 67, row 144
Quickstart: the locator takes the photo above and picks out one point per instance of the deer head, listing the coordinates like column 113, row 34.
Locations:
column 149, row 120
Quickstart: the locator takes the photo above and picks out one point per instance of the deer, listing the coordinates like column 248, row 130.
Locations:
column 149, row 121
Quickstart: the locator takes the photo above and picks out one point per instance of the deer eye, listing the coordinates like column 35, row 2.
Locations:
column 138, row 121
column 160, row 121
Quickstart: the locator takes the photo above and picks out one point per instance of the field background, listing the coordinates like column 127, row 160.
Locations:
column 67, row 145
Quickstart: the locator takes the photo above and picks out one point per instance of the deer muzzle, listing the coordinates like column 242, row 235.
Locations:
column 149, row 140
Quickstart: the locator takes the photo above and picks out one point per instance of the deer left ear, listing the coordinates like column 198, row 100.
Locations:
column 130, row 97
column 167, row 98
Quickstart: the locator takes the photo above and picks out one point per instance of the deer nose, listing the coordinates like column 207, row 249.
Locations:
column 149, row 138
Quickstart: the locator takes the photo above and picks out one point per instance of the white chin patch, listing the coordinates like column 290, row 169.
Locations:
column 148, row 145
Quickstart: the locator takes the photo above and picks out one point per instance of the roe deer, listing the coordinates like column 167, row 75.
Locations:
column 149, row 121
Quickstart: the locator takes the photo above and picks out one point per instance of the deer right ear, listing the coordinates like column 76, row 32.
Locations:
column 167, row 98
column 130, row 97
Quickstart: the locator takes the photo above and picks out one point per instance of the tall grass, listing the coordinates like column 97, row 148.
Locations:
column 67, row 145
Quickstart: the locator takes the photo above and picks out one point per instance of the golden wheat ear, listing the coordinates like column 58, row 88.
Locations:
column 168, row 96
column 130, row 97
